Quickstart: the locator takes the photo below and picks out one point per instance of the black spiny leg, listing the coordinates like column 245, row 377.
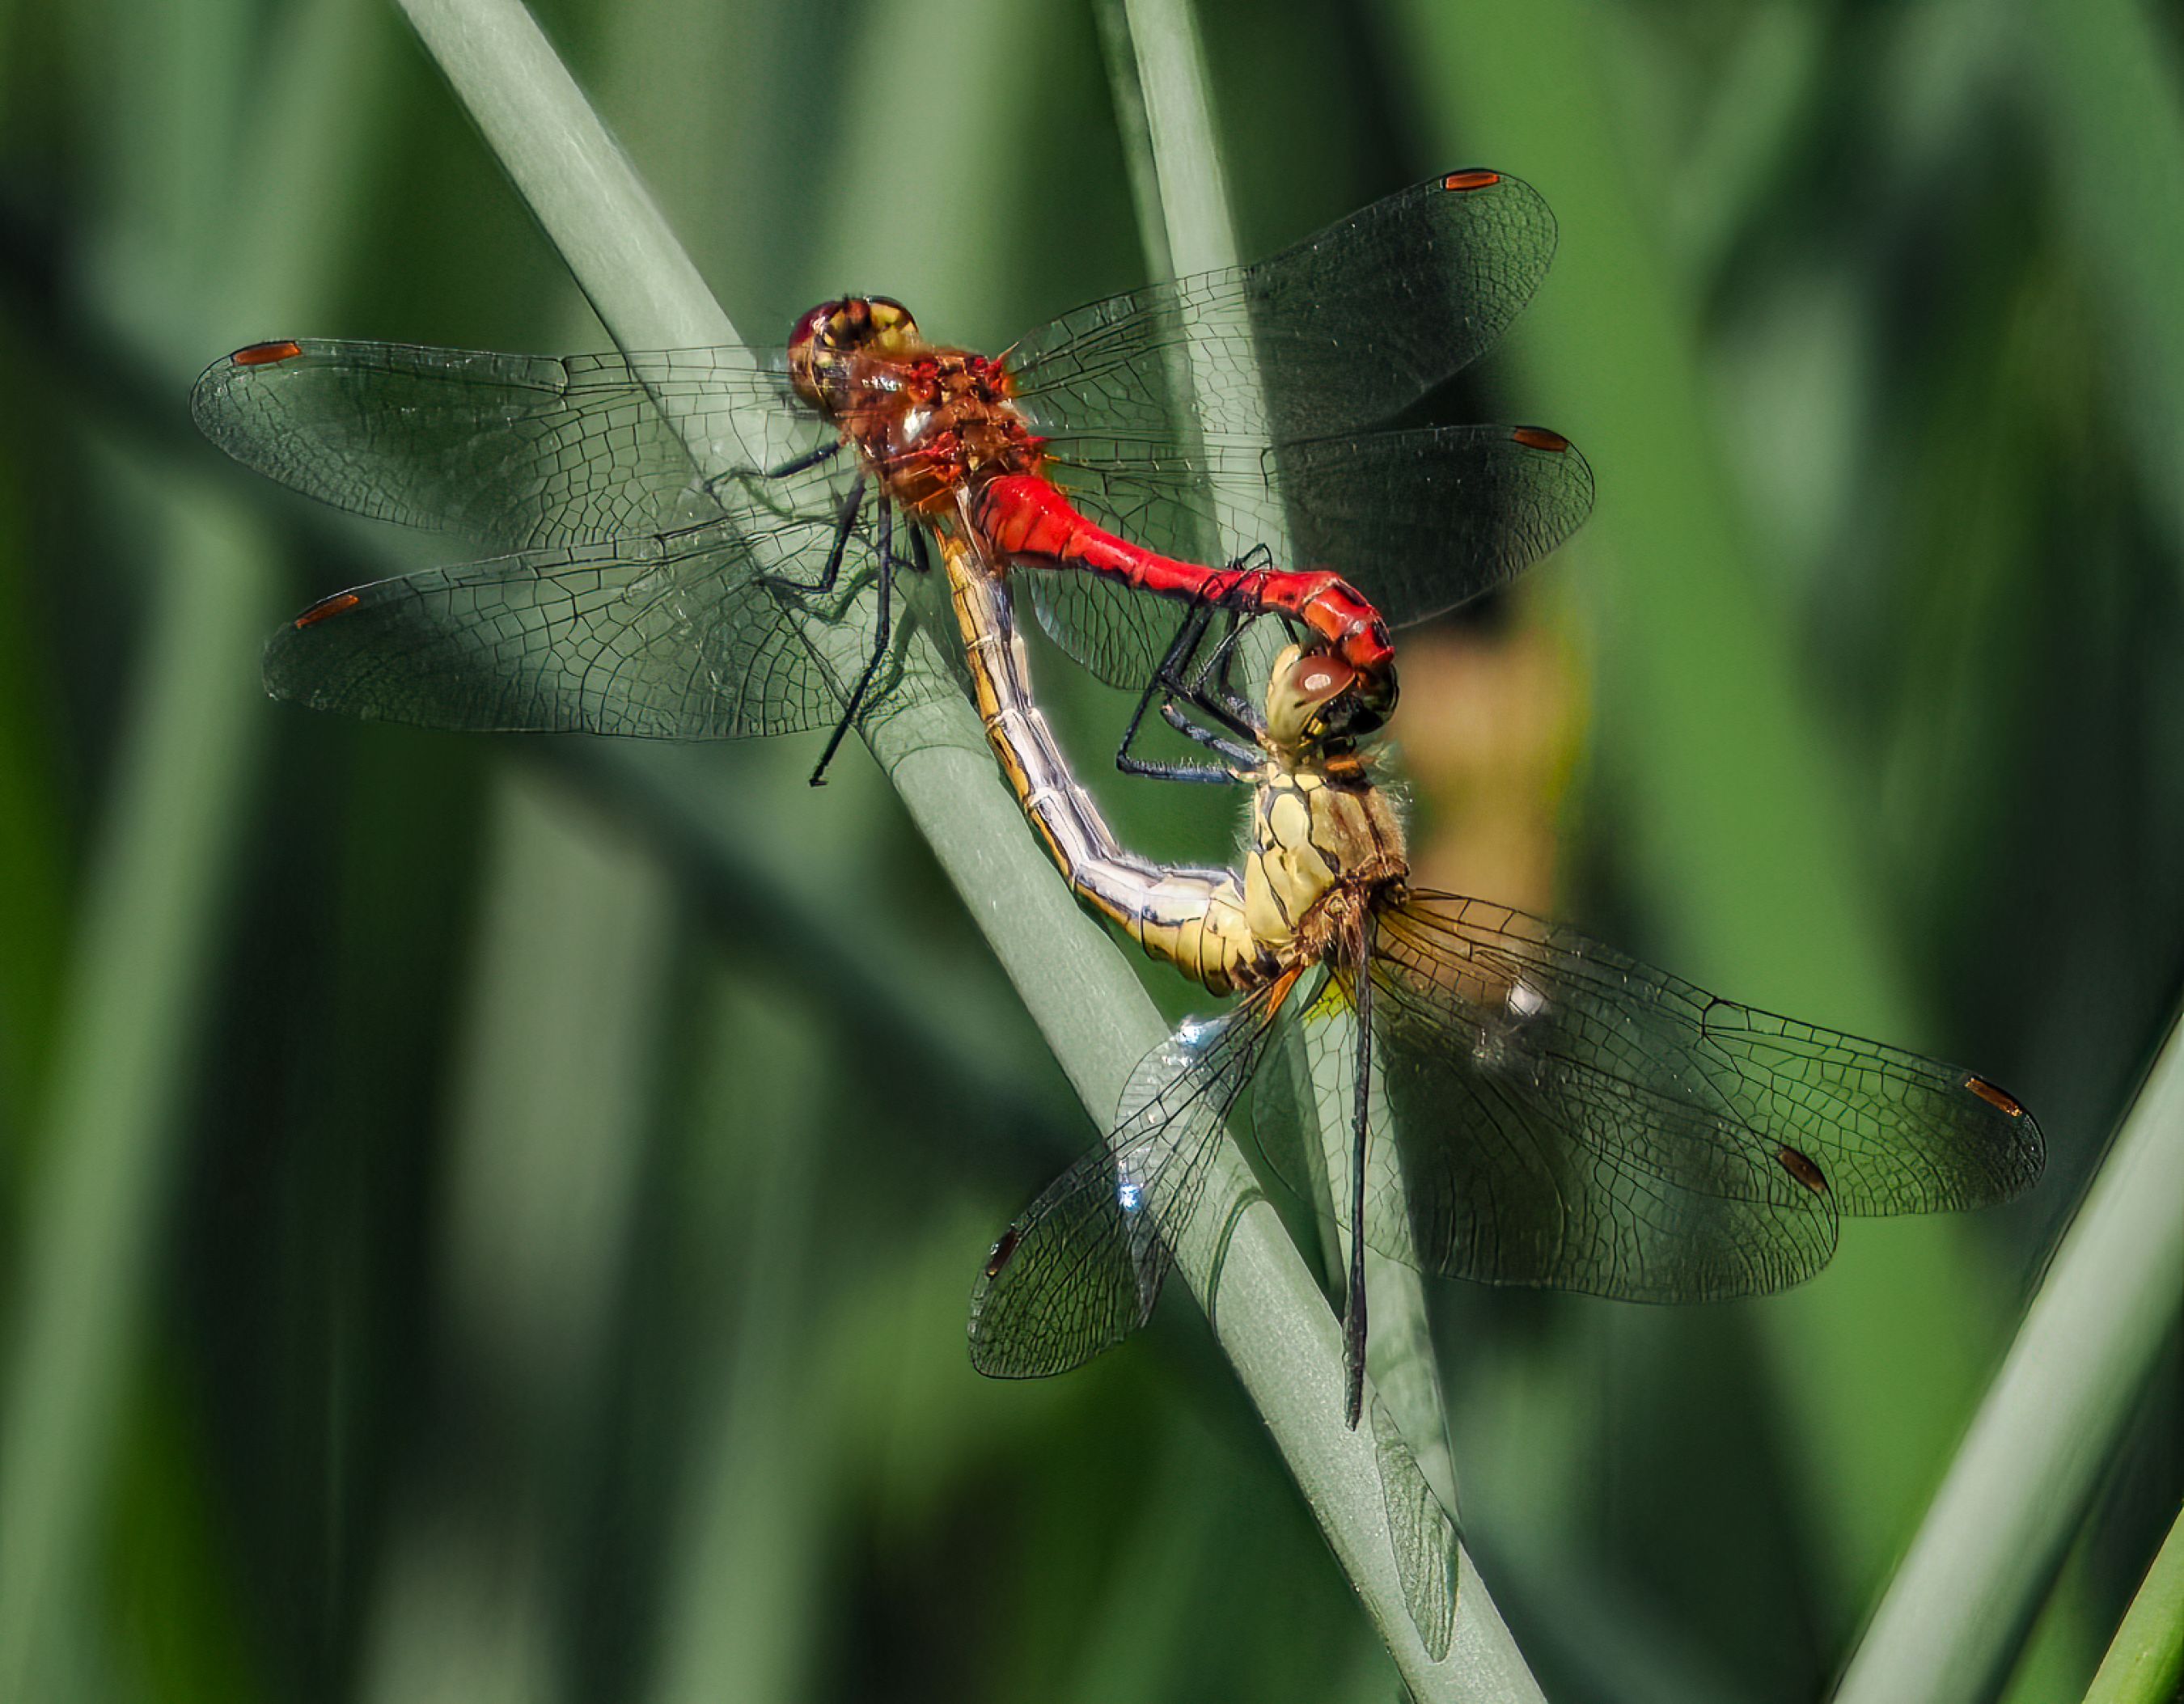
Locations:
column 846, row 528
column 1244, row 760
column 1219, row 705
column 1212, row 686
column 1167, row 679
column 882, row 630
column 1353, row 1315
column 825, row 452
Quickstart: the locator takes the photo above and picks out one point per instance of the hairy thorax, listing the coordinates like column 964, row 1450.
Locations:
column 1326, row 848
column 930, row 423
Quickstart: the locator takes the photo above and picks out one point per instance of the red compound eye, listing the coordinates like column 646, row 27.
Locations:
column 813, row 321
column 1323, row 676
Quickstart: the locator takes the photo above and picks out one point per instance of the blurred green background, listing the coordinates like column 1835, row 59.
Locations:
column 491, row 1219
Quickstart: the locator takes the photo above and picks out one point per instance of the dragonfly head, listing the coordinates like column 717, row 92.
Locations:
column 1318, row 706
column 849, row 326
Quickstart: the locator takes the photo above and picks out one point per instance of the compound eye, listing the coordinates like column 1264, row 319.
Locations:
column 813, row 323
column 890, row 319
column 1319, row 677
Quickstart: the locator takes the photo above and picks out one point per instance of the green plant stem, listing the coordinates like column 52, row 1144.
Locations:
column 144, row 964
column 2018, row 1487
column 2145, row 1662
column 552, row 1107
column 752, row 1576
column 152, row 913
column 1164, row 105
column 1270, row 1318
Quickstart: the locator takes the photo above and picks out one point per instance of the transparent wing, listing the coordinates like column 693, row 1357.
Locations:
column 678, row 635
column 514, row 452
column 1566, row 1116
column 1080, row 1268
column 1420, row 1532
column 1419, row 522
column 1120, row 634
column 1343, row 329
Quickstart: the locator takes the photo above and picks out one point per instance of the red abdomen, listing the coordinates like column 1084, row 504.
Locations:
column 1026, row 520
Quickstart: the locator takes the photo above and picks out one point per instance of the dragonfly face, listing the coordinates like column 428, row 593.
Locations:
column 1313, row 715
column 827, row 335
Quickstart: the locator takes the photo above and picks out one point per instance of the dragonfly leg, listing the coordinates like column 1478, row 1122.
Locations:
column 918, row 561
column 1166, row 679
column 825, row 452
column 846, row 528
column 881, row 628
column 1185, row 641
column 1213, row 687
column 1220, row 704
column 1216, row 774
column 1244, row 761
column 1353, row 1311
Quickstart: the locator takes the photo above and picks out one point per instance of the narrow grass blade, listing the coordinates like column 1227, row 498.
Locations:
column 1271, row 1320
column 2145, row 1664
column 2020, row 1485
column 553, row 1113
column 152, row 911
column 154, row 904
column 1177, row 157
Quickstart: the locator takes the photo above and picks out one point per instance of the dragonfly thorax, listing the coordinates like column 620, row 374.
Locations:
column 1326, row 843
column 1325, row 847
column 926, row 420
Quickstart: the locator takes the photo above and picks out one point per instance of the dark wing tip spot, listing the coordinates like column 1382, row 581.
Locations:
column 340, row 604
column 1803, row 1167
column 1995, row 1096
column 1002, row 1250
column 1538, row 437
column 266, row 354
column 1477, row 178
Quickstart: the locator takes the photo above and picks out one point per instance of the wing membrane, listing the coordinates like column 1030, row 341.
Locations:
column 1340, row 331
column 678, row 635
column 1568, row 1116
column 1080, row 1268
column 1420, row 521
column 514, row 452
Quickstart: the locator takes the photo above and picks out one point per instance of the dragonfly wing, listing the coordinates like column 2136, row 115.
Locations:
column 679, row 636
column 1420, row 1532
column 1422, row 522
column 1343, row 329
column 1419, row 520
column 514, row 452
column 1120, row 635
column 1570, row 1117
column 1081, row 1268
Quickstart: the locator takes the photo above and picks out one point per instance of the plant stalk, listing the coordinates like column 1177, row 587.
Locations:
column 1996, row 1530
column 1270, row 1319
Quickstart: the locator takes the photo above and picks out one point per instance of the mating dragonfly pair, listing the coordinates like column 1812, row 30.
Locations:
column 1522, row 1106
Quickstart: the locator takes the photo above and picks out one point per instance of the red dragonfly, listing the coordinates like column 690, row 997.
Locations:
column 644, row 598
